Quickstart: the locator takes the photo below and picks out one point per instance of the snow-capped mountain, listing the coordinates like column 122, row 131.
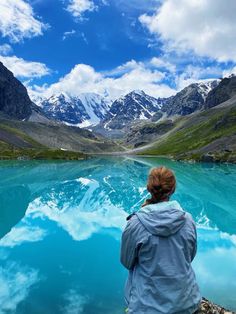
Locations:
column 133, row 106
column 138, row 105
column 90, row 109
column 85, row 110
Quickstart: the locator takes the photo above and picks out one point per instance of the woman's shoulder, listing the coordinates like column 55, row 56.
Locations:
column 189, row 217
column 132, row 220
column 134, row 226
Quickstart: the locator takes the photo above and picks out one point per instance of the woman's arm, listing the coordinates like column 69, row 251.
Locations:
column 131, row 242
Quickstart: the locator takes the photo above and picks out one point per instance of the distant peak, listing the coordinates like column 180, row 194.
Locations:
column 61, row 95
column 138, row 91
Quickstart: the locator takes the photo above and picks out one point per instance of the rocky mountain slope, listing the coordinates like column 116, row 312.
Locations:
column 30, row 135
column 24, row 125
column 224, row 91
column 198, row 122
column 192, row 98
column 14, row 99
column 136, row 105
column 209, row 135
column 107, row 118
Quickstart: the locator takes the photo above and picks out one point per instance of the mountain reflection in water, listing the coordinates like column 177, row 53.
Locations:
column 60, row 227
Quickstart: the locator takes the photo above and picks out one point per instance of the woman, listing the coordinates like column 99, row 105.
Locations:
column 158, row 246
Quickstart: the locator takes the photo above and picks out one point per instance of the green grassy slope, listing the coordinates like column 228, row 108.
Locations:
column 10, row 137
column 37, row 140
column 40, row 153
column 16, row 144
column 212, row 131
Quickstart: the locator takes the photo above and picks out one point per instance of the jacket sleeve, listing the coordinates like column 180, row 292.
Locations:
column 194, row 251
column 130, row 243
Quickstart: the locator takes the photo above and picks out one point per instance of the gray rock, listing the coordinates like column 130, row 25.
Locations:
column 224, row 91
column 190, row 99
column 133, row 106
column 207, row 158
column 14, row 99
column 208, row 307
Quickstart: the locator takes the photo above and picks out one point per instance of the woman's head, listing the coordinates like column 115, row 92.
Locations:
column 161, row 184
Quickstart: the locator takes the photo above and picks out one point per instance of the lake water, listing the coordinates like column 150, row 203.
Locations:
column 61, row 223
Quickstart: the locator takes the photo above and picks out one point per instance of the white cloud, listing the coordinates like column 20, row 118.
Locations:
column 15, row 285
column 119, row 81
column 228, row 72
column 5, row 49
column 163, row 64
column 68, row 34
column 18, row 21
column 194, row 74
column 205, row 27
column 82, row 35
column 24, row 69
column 78, row 7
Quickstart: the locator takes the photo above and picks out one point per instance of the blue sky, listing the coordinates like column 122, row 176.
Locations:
column 115, row 46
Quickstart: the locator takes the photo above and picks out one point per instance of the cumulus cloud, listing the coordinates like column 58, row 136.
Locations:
column 230, row 71
column 205, row 27
column 18, row 21
column 5, row 49
column 194, row 74
column 117, row 82
column 78, row 7
column 163, row 64
column 24, row 69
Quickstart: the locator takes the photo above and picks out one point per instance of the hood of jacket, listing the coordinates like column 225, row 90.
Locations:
column 162, row 219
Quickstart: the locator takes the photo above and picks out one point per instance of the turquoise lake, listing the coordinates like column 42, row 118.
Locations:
column 61, row 223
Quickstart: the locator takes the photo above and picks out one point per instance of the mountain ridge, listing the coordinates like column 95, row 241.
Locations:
column 84, row 110
column 136, row 105
column 196, row 123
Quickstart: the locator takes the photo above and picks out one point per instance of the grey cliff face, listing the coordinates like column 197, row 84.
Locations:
column 14, row 99
column 224, row 91
column 190, row 99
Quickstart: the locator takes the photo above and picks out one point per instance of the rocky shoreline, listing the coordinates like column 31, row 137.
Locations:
column 208, row 307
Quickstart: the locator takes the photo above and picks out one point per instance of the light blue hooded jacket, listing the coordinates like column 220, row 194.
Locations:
column 158, row 246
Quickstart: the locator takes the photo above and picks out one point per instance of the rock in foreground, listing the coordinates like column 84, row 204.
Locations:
column 209, row 308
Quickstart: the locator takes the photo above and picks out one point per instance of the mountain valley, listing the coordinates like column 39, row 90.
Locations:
column 198, row 123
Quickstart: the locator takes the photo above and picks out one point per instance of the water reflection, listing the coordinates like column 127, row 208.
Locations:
column 14, row 202
column 15, row 284
column 62, row 224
